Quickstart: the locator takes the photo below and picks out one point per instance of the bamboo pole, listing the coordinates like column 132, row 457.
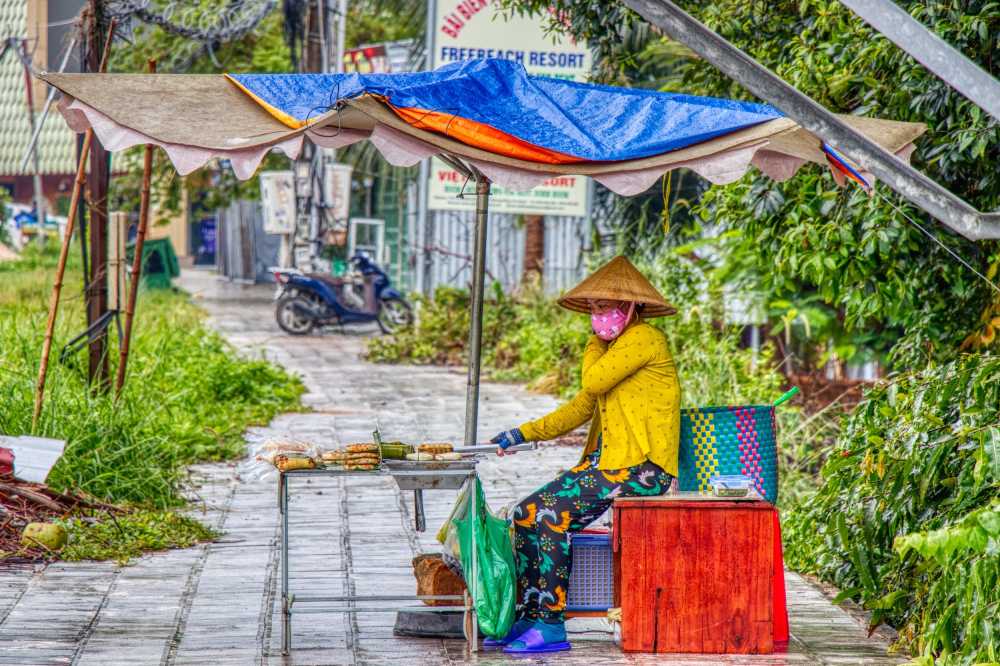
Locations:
column 74, row 203
column 140, row 239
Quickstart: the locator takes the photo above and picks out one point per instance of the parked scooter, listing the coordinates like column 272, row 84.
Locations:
column 308, row 300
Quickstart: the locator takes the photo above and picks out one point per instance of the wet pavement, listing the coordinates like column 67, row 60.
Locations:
column 219, row 603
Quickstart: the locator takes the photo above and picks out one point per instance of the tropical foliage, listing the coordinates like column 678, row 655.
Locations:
column 528, row 337
column 920, row 457
column 806, row 238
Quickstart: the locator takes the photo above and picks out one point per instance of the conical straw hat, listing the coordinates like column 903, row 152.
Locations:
column 617, row 280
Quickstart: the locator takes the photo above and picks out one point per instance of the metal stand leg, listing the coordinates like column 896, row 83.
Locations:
column 472, row 388
column 286, row 609
column 419, row 518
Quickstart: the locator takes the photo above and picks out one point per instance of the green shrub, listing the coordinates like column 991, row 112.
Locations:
column 128, row 536
column 961, row 623
column 439, row 337
column 528, row 337
column 921, row 454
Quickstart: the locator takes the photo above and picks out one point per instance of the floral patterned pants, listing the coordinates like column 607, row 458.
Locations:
column 544, row 520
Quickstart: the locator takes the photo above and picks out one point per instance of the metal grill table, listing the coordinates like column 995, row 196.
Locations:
column 450, row 477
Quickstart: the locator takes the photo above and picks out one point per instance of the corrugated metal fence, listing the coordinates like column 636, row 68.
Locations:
column 451, row 250
column 244, row 253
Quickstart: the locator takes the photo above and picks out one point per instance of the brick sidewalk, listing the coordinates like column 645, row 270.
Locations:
column 216, row 603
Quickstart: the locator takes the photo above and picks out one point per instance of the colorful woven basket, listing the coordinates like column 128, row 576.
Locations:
column 730, row 440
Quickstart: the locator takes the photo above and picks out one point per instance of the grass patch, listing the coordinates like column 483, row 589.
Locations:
column 126, row 537
column 189, row 397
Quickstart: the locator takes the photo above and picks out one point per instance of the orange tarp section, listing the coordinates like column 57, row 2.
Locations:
column 480, row 135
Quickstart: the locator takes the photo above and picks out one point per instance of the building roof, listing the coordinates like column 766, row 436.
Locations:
column 57, row 144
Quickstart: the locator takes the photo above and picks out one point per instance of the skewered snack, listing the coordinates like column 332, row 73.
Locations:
column 432, row 447
column 451, row 455
column 287, row 462
column 335, row 456
column 364, row 459
column 355, row 467
column 422, row 457
column 362, row 448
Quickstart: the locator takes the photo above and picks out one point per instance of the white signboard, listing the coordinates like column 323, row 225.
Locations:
column 470, row 29
column 337, row 189
column 277, row 200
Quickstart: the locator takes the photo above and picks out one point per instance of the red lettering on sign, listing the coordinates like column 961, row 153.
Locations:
column 561, row 181
column 453, row 22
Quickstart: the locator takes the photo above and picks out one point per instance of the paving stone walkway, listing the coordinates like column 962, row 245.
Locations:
column 219, row 603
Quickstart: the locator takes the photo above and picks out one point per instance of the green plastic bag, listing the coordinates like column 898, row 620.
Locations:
column 493, row 591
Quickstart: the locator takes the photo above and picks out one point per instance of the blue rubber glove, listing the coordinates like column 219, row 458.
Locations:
column 508, row 438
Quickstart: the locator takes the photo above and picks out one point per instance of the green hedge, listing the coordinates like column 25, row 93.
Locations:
column 906, row 520
column 528, row 337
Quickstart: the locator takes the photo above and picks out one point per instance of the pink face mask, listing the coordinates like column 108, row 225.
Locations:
column 609, row 325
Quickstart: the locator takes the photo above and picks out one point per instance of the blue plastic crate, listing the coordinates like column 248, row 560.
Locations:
column 591, row 582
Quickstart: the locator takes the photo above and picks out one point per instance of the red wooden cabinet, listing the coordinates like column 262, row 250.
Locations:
column 695, row 575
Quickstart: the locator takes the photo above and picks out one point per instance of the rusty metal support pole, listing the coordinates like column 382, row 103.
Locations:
column 100, row 174
column 140, row 239
column 476, row 290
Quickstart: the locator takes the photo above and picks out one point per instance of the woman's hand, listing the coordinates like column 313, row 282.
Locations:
column 506, row 439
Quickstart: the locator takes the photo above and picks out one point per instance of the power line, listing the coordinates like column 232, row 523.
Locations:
column 934, row 238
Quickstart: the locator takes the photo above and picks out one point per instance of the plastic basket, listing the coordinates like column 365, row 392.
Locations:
column 730, row 440
column 591, row 581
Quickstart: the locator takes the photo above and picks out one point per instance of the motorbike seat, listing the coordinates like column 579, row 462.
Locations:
column 334, row 282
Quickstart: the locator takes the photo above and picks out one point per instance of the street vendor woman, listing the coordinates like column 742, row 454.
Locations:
column 631, row 397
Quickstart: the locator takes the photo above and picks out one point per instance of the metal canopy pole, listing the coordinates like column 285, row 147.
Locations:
column 937, row 55
column 476, row 309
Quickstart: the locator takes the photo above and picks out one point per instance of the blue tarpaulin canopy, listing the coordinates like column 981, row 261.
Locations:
column 516, row 129
column 584, row 121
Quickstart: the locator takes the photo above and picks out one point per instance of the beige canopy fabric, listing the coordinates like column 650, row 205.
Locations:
column 197, row 117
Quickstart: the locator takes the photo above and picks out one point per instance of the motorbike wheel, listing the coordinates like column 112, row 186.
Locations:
column 290, row 320
column 394, row 314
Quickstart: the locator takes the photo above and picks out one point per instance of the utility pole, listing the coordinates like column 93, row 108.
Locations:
column 341, row 34
column 37, row 177
column 312, row 166
column 97, row 289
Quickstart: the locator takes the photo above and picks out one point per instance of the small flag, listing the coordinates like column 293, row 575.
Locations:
column 840, row 166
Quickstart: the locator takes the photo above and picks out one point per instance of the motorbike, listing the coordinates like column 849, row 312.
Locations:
column 308, row 300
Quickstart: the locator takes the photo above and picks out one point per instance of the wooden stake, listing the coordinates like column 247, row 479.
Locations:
column 60, row 270
column 74, row 202
column 140, row 238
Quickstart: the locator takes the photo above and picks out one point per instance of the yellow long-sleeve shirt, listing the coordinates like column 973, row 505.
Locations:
column 631, row 397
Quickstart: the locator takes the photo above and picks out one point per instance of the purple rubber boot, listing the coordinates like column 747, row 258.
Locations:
column 540, row 638
column 516, row 630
